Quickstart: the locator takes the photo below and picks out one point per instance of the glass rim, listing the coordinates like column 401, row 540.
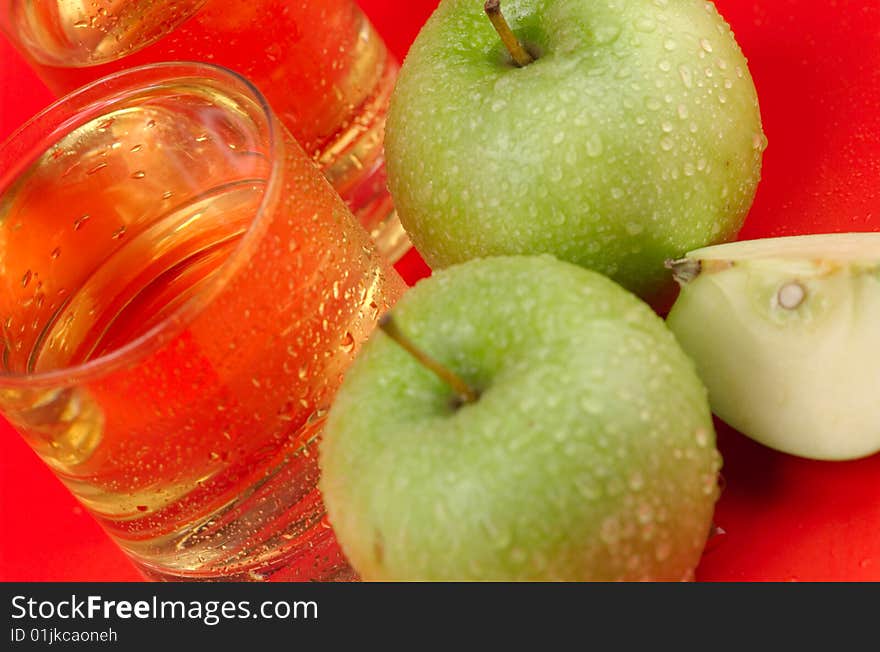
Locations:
column 96, row 99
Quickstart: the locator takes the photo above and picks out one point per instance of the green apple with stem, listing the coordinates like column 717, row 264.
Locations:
column 521, row 418
column 613, row 134
column 785, row 333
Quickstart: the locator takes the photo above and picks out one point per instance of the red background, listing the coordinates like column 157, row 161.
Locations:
column 817, row 69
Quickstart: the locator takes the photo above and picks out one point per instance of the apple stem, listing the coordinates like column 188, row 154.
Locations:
column 518, row 53
column 466, row 393
column 684, row 270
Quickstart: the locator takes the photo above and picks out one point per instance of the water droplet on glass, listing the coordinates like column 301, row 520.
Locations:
column 347, row 345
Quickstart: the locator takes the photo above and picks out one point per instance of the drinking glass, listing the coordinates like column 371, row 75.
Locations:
column 321, row 64
column 181, row 291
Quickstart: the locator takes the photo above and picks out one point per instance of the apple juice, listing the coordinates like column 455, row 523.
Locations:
column 179, row 303
column 323, row 67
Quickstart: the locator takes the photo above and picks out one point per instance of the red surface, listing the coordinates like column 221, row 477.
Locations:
column 817, row 69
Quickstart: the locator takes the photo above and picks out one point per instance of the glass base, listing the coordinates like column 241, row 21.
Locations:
column 274, row 530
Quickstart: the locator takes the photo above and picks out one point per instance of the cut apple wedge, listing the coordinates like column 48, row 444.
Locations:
column 785, row 333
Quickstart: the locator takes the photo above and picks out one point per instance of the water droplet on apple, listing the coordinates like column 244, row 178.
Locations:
column 615, row 485
column 702, row 437
column 662, row 551
column 634, row 228
column 666, row 127
column 665, row 66
column 645, row 514
column 706, row 45
column 759, row 142
column 594, row 145
column 645, row 24
column 669, row 45
column 710, row 483
column 686, row 76
column 606, row 34
column 689, row 169
column 636, row 481
column 666, row 144
column 500, row 536
column 609, row 531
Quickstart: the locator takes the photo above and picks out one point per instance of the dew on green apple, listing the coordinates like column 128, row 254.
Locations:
column 455, row 104
column 522, row 483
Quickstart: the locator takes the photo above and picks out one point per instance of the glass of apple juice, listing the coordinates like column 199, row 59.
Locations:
column 181, row 291
column 323, row 67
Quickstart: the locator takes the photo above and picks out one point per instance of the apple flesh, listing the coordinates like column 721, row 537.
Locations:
column 634, row 136
column 785, row 335
column 589, row 454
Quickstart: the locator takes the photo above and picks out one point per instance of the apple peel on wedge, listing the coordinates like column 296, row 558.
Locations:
column 785, row 333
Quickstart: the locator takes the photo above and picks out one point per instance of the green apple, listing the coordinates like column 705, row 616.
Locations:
column 633, row 137
column 785, row 333
column 588, row 453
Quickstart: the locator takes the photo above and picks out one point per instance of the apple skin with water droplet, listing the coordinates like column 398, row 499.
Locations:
column 589, row 455
column 785, row 335
column 634, row 137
